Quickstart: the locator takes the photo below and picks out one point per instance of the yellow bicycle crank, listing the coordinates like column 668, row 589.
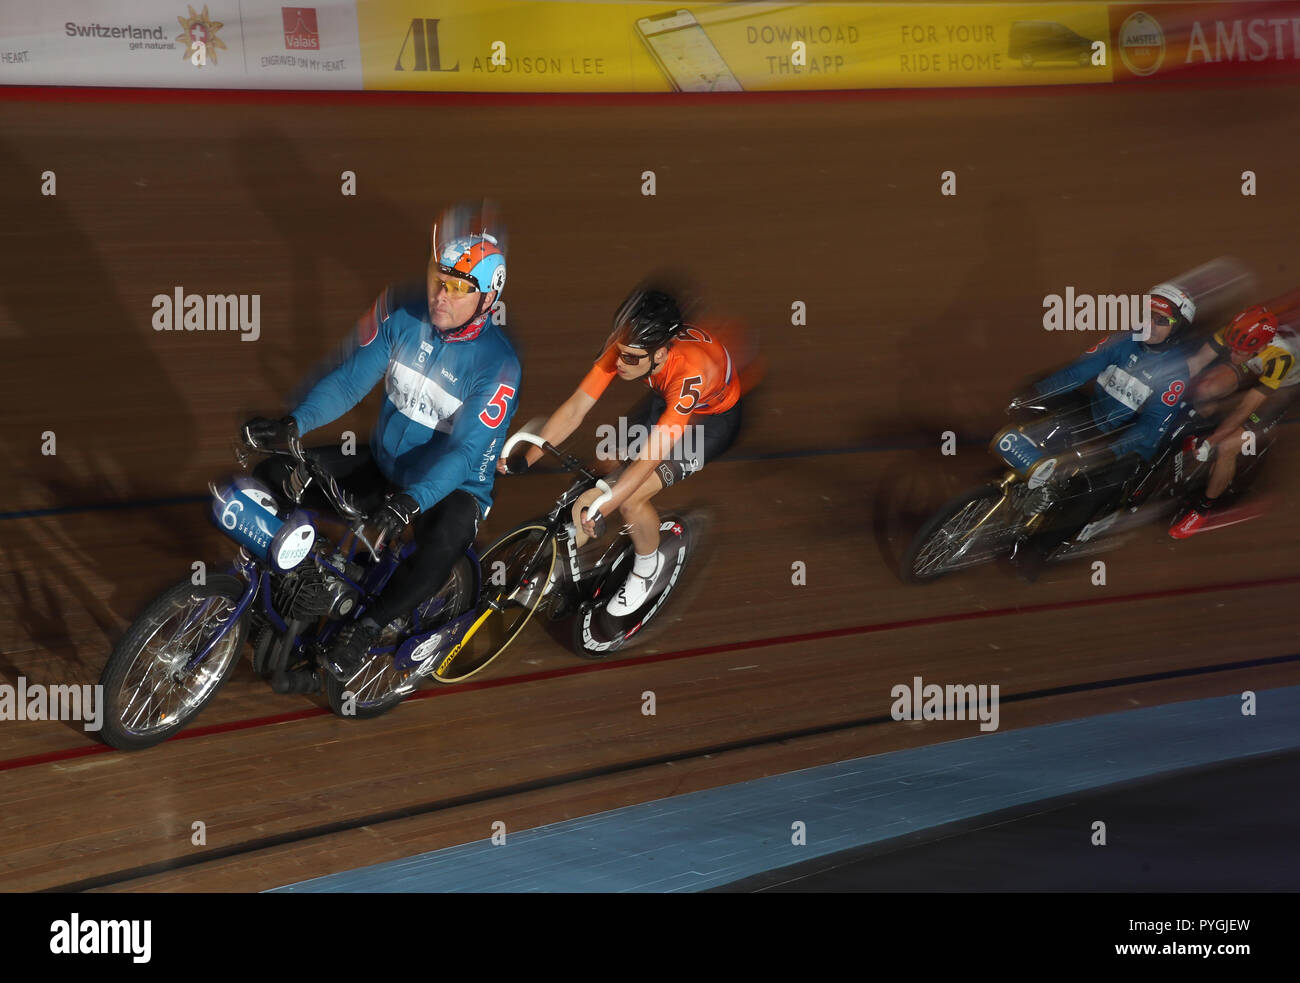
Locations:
column 469, row 634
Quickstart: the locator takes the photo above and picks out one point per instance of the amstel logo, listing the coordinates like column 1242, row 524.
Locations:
column 1141, row 43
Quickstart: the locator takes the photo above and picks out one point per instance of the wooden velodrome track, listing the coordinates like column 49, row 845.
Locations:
column 923, row 316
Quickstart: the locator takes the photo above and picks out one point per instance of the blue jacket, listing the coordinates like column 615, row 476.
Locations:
column 1134, row 385
column 448, row 404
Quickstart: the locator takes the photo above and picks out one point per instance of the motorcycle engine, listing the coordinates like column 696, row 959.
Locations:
column 312, row 593
column 1039, row 500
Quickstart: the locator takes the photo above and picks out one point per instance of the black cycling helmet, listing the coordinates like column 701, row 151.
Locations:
column 648, row 319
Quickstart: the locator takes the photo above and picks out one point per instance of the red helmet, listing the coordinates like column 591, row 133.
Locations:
column 1251, row 331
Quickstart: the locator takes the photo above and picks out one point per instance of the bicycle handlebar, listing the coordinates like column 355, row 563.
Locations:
column 609, row 493
column 528, row 438
column 569, row 462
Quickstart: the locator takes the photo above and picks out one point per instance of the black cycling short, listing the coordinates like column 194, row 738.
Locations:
column 1269, row 413
column 718, row 431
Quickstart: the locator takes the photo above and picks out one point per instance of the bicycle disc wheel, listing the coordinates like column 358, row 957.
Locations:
column 597, row 634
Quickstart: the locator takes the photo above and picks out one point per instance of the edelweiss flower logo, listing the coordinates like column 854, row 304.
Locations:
column 200, row 29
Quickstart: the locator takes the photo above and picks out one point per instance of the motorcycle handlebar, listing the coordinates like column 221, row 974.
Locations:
column 340, row 499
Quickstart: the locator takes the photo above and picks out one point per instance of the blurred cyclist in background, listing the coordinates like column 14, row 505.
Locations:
column 694, row 383
column 1253, row 381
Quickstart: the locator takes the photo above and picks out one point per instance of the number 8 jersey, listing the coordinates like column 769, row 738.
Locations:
column 696, row 377
column 1138, row 390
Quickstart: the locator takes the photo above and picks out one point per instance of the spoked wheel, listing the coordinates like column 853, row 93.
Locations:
column 934, row 548
column 517, row 571
column 148, row 694
column 597, row 634
column 381, row 683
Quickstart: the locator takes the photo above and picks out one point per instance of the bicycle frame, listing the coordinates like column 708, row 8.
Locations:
column 555, row 518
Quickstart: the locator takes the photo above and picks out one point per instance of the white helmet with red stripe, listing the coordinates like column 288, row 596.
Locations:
column 1173, row 306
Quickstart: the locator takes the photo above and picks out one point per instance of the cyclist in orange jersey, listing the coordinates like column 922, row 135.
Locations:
column 693, row 416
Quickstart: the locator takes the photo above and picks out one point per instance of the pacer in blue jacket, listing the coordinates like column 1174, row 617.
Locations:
column 451, row 384
column 1139, row 387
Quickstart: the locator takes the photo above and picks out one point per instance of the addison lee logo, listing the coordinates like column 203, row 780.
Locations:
column 300, row 30
column 422, row 41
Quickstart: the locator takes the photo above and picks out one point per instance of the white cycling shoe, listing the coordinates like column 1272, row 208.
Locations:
column 636, row 590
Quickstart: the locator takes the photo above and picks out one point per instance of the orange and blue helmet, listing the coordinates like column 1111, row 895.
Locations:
column 1251, row 331
column 476, row 258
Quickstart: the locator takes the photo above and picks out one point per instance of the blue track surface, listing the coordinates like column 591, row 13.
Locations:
column 711, row 838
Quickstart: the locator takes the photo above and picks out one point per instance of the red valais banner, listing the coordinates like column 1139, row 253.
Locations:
column 1206, row 40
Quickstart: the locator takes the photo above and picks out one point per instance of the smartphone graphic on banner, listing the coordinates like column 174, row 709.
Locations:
column 685, row 54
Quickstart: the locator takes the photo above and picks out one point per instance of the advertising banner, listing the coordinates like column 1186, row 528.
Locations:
column 650, row 47
column 1206, row 40
column 179, row 44
column 560, row 46
column 298, row 47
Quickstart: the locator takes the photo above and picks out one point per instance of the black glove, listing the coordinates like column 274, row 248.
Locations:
column 391, row 518
column 517, row 462
column 261, row 432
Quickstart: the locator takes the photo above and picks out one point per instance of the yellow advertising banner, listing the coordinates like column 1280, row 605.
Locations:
column 571, row 46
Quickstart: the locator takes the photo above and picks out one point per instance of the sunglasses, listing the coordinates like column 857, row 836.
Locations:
column 629, row 359
column 456, row 286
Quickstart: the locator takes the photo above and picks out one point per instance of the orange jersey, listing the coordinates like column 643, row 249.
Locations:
column 696, row 377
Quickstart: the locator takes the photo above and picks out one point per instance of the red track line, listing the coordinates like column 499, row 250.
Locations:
column 101, row 94
column 755, row 643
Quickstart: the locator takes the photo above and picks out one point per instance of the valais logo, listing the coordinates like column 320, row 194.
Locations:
column 1141, row 43
column 300, row 31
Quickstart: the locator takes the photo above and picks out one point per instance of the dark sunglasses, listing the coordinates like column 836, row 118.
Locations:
column 630, row 359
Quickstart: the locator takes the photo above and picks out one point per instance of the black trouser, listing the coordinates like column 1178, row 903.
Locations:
column 717, row 430
column 441, row 535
